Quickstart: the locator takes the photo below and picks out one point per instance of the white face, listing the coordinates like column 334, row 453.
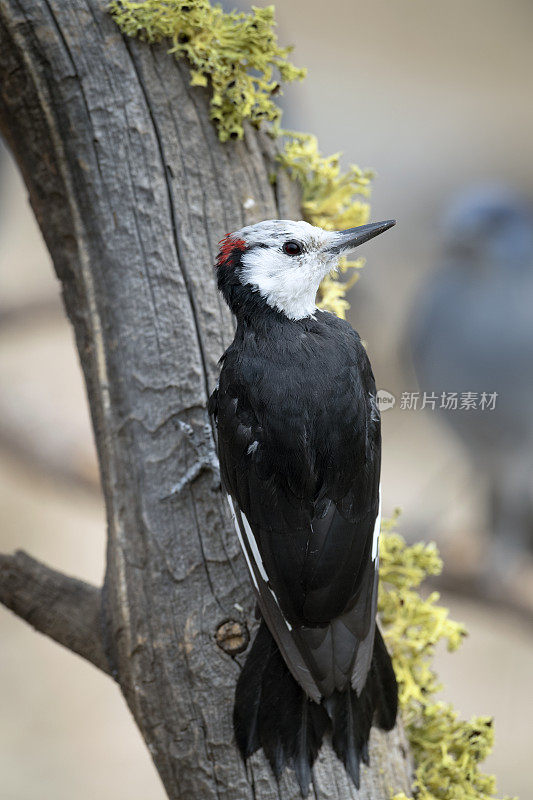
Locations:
column 287, row 282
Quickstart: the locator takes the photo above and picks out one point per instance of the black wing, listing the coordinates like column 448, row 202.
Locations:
column 301, row 469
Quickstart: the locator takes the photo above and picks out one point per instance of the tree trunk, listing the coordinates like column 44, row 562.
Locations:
column 133, row 190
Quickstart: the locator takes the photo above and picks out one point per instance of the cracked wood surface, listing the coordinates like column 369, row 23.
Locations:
column 132, row 191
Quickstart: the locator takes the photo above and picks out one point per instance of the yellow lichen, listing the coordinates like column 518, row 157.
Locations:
column 447, row 750
column 237, row 55
column 332, row 200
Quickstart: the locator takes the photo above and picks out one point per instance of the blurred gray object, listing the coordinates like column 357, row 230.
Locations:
column 472, row 331
column 3, row 158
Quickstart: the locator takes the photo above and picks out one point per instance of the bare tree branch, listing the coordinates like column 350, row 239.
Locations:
column 65, row 609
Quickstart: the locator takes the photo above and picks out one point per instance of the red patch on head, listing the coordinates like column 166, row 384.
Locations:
column 227, row 245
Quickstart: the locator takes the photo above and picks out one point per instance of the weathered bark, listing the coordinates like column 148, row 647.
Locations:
column 132, row 191
column 66, row 609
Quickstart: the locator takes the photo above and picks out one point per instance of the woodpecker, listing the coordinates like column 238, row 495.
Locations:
column 299, row 444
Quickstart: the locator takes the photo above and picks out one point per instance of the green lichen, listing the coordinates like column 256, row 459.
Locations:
column 238, row 56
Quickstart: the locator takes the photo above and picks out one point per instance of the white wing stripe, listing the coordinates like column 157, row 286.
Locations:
column 286, row 621
column 243, row 548
column 255, row 550
column 377, row 524
column 256, row 555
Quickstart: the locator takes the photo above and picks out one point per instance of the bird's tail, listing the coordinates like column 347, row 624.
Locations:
column 353, row 715
column 273, row 712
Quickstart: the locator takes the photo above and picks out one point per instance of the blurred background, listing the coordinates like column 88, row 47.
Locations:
column 436, row 98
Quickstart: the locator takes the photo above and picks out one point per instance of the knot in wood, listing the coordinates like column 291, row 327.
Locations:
column 232, row 637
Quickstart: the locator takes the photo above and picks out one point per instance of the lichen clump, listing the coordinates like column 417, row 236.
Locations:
column 238, row 56
column 447, row 750
column 331, row 199
column 236, row 53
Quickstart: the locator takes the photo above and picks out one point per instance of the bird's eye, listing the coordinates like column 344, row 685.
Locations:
column 292, row 248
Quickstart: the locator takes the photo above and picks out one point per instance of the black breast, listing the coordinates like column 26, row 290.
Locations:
column 299, row 439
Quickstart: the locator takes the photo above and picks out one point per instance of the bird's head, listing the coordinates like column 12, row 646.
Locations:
column 282, row 262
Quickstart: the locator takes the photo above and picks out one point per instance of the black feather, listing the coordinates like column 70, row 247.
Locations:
column 273, row 712
column 385, row 685
column 248, row 693
column 353, row 714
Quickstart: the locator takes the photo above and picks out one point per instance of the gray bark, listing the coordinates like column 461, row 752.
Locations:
column 132, row 191
column 66, row 609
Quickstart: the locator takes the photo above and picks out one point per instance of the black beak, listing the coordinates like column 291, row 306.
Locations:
column 353, row 237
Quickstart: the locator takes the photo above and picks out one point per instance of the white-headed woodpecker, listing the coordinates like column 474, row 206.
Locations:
column 299, row 444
